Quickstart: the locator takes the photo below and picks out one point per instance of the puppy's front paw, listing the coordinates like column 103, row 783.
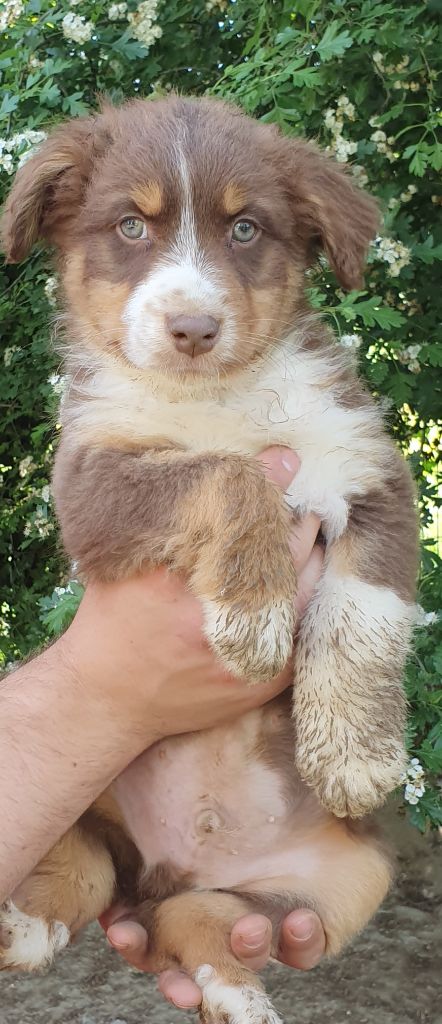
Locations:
column 255, row 644
column 232, row 1004
column 353, row 784
column 28, row 943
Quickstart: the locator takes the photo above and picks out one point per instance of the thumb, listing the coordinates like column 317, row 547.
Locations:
column 280, row 465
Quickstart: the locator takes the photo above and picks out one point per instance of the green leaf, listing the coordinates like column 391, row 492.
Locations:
column 9, row 103
column 371, row 311
column 426, row 251
column 333, row 43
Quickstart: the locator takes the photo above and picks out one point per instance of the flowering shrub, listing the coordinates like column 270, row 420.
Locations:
column 360, row 77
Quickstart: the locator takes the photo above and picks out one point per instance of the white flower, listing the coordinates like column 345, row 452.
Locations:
column 57, row 382
column 34, row 62
column 330, row 119
column 116, row 11
column 76, row 28
column 26, row 466
column 413, row 780
column 378, row 136
column 424, row 618
column 343, row 148
column 46, row 493
column 9, row 353
column 408, row 194
column 143, row 23
column 393, row 203
column 394, row 253
column 346, row 107
column 413, row 351
column 11, row 10
column 414, row 86
column 50, row 290
column 414, row 366
column 360, row 174
column 378, row 60
column 21, row 146
column 39, row 523
column 351, row 340
column 7, row 163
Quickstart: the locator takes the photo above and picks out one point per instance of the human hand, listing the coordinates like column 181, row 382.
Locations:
column 302, row 944
column 148, row 629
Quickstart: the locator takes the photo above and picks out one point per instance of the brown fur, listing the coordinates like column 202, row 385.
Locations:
column 127, row 500
column 119, row 511
column 364, row 547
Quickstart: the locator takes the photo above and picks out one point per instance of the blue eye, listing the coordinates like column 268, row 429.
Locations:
column 243, row 231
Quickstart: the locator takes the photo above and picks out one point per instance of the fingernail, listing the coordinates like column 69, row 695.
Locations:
column 290, row 461
column 303, row 929
column 117, row 945
column 254, row 940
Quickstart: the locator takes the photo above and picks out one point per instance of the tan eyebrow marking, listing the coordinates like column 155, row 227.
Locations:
column 234, row 198
column 149, row 198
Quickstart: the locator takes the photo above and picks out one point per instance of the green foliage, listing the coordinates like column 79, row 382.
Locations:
column 362, row 79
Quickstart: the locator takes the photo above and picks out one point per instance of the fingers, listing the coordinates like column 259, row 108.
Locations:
column 302, row 944
column 302, row 941
column 251, row 939
column 130, row 940
column 308, row 578
column 302, row 538
column 179, row 989
column 280, row 464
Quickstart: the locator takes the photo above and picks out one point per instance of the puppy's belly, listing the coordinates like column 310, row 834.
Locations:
column 216, row 807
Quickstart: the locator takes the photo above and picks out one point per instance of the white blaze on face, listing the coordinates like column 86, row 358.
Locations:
column 185, row 282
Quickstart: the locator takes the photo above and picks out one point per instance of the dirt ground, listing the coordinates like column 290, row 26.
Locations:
column 392, row 974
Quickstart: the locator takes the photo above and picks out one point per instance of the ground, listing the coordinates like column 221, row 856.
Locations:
column 390, row 975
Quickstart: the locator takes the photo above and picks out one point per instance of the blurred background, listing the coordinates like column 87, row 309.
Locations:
column 362, row 79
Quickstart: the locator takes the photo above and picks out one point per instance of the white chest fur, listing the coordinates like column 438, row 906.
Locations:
column 285, row 399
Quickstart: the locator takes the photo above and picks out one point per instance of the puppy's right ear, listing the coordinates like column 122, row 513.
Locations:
column 49, row 188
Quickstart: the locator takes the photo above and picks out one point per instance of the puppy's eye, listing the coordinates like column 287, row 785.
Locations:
column 133, row 227
column 244, row 231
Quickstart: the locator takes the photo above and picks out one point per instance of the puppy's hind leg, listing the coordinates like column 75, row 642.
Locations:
column 193, row 930
column 70, row 887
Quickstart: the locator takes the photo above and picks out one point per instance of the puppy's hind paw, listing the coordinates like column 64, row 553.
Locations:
column 255, row 644
column 28, row 943
column 224, row 1003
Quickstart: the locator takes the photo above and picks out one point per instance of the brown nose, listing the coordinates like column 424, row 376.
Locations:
column 193, row 335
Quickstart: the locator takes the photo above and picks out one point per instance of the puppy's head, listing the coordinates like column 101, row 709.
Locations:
column 184, row 229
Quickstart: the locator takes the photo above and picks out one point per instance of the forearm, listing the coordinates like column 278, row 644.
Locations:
column 62, row 744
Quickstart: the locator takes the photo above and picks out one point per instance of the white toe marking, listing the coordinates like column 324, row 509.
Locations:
column 242, row 1004
column 32, row 942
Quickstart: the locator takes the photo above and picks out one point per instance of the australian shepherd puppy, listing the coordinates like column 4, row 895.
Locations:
column 184, row 231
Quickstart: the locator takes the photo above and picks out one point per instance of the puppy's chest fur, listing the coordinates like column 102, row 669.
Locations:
column 292, row 397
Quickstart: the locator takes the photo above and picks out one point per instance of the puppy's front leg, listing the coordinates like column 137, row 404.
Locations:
column 349, row 704
column 216, row 518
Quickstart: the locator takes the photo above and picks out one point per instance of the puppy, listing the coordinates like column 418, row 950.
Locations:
column 184, row 231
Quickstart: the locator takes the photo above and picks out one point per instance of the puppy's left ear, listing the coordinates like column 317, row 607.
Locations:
column 331, row 213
